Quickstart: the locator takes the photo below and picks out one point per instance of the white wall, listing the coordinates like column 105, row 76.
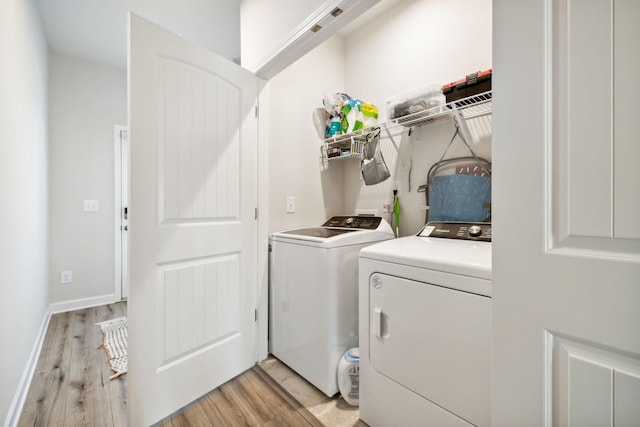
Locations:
column 295, row 166
column 410, row 44
column 266, row 24
column 23, row 190
column 413, row 43
column 275, row 34
column 86, row 101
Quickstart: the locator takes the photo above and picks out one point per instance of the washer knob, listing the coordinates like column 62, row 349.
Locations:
column 349, row 222
column 475, row 231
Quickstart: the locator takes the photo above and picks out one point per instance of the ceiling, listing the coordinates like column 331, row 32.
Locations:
column 96, row 30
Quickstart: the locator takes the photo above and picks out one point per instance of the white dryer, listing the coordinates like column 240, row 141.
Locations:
column 425, row 328
column 313, row 294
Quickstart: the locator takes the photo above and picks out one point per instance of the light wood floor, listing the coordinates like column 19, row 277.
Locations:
column 71, row 386
column 251, row 399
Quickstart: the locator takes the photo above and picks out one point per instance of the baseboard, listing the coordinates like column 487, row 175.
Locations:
column 77, row 304
column 25, row 382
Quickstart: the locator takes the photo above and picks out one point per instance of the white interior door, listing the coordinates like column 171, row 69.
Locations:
column 566, row 260
column 192, row 227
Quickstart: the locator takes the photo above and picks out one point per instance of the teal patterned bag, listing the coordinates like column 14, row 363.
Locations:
column 459, row 189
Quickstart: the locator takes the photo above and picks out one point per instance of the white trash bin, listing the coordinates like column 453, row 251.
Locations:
column 349, row 376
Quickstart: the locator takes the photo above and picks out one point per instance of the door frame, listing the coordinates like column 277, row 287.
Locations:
column 262, row 300
column 117, row 198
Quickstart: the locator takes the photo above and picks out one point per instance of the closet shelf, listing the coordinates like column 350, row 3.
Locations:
column 349, row 146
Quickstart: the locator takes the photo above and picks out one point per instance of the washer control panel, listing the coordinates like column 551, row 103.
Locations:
column 480, row 231
column 363, row 222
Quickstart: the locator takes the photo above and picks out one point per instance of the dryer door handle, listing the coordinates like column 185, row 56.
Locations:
column 377, row 322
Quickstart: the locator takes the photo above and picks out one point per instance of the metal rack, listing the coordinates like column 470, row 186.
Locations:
column 349, row 146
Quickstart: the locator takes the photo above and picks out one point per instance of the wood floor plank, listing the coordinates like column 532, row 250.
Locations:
column 257, row 396
column 113, row 311
column 46, row 400
column 287, row 419
column 247, row 402
column 210, row 404
column 288, row 398
column 195, row 416
column 36, row 403
column 177, row 420
column 88, row 383
column 220, row 409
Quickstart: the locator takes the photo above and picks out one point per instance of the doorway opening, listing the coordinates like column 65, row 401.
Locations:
column 121, row 197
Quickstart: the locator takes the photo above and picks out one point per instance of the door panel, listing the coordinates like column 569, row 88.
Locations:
column 595, row 207
column 199, row 177
column 201, row 306
column 566, row 260
column 626, row 126
column 594, row 386
column 193, row 138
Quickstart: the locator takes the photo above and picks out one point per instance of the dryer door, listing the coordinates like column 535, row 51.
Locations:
column 434, row 341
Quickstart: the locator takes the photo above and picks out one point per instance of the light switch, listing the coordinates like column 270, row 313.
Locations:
column 291, row 204
column 91, row 205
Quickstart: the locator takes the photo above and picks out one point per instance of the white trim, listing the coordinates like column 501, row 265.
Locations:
column 547, row 370
column 15, row 410
column 548, row 66
column 302, row 40
column 263, row 222
column 117, row 190
column 78, row 304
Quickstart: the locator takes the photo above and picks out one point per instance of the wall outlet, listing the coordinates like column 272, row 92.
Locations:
column 396, row 186
column 66, row 277
column 291, row 204
column 91, row 205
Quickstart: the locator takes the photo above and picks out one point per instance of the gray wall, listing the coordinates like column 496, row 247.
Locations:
column 23, row 191
column 86, row 100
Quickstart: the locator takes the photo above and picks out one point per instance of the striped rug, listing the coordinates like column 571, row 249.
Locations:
column 114, row 342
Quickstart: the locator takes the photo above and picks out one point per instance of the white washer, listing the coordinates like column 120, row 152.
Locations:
column 313, row 290
column 425, row 328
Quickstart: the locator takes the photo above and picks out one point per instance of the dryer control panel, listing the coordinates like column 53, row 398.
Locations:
column 363, row 222
column 480, row 231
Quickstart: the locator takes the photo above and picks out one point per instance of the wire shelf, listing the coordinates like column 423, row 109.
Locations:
column 350, row 145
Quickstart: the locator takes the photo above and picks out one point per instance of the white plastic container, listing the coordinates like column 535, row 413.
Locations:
column 425, row 97
column 349, row 376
